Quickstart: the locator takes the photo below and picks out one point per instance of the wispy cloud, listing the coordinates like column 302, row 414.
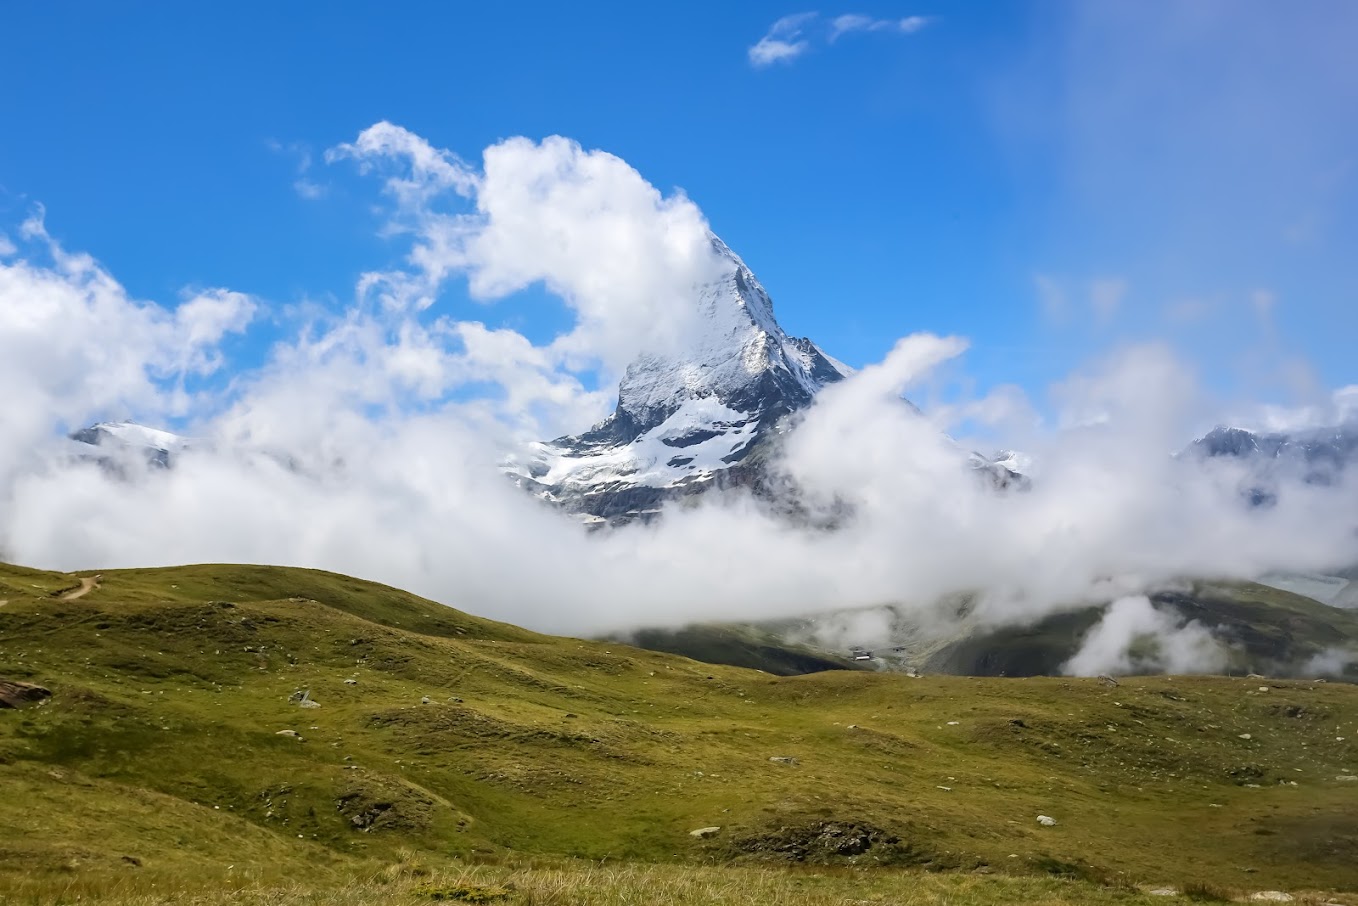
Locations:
column 791, row 36
column 784, row 41
column 303, row 184
column 851, row 22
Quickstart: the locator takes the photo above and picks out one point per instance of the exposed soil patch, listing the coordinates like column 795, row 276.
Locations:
column 377, row 807
column 827, row 842
column 87, row 585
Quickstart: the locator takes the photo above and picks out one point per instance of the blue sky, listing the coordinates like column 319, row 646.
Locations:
column 1050, row 180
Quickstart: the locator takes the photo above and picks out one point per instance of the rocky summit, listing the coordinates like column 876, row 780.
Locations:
column 698, row 420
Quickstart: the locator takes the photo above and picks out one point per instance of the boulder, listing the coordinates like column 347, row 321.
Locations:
column 14, row 694
column 703, row 833
column 1046, row 821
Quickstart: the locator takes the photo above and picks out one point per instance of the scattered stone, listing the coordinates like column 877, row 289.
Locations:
column 302, row 697
column 953, row 723
column 1263, row 688
column 1046, row 821
column 1347, row 778
column 1254, row 676
column 1015, row 722
column 946, row 789
column 1107, row 680
column 1271, row 896
column 1162, row 892
column 289, row 733
column 1245, row 736
column 351, row 682
column 784, row 759
column 426, row 700
column 14, row 694
column 703, row 833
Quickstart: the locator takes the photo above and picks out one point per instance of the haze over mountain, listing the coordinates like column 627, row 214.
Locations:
column 371, row 439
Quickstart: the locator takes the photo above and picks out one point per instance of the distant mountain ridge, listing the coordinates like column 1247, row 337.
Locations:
column 1317, row 455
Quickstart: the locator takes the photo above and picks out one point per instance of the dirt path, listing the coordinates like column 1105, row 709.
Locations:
column 87, row 585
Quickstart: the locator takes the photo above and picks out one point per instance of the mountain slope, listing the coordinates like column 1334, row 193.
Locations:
column 1259, row 628
column 172, row 738
column 1315, row 456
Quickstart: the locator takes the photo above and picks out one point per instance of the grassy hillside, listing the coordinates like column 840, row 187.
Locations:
column 463, row 741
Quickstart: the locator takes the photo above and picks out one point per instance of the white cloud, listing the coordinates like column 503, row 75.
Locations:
column 1335, row 408
column 303, row 184
column 1134, row 637
column 75, row 347
column 852, row 22
column 783, row 42
column 582, row 223
column 792, row 36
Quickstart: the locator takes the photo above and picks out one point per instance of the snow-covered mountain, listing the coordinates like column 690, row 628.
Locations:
column 690, row 421
column 706, row 418
column 1316, row 456
column 119, row 440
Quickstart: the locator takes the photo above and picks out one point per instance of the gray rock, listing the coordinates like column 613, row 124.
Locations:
column 703, row 833
column 1046, row 821
column 14, row 694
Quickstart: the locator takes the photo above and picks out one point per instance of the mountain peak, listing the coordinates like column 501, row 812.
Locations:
column 685, row 420
column 739, row 355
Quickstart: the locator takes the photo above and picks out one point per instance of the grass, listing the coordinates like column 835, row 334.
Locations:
column 536, row 760
column 582, row 884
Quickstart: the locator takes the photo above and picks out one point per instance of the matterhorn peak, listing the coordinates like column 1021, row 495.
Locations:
column 686, row 419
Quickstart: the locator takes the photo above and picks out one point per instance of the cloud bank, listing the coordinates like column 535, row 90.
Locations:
column 369, row 440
